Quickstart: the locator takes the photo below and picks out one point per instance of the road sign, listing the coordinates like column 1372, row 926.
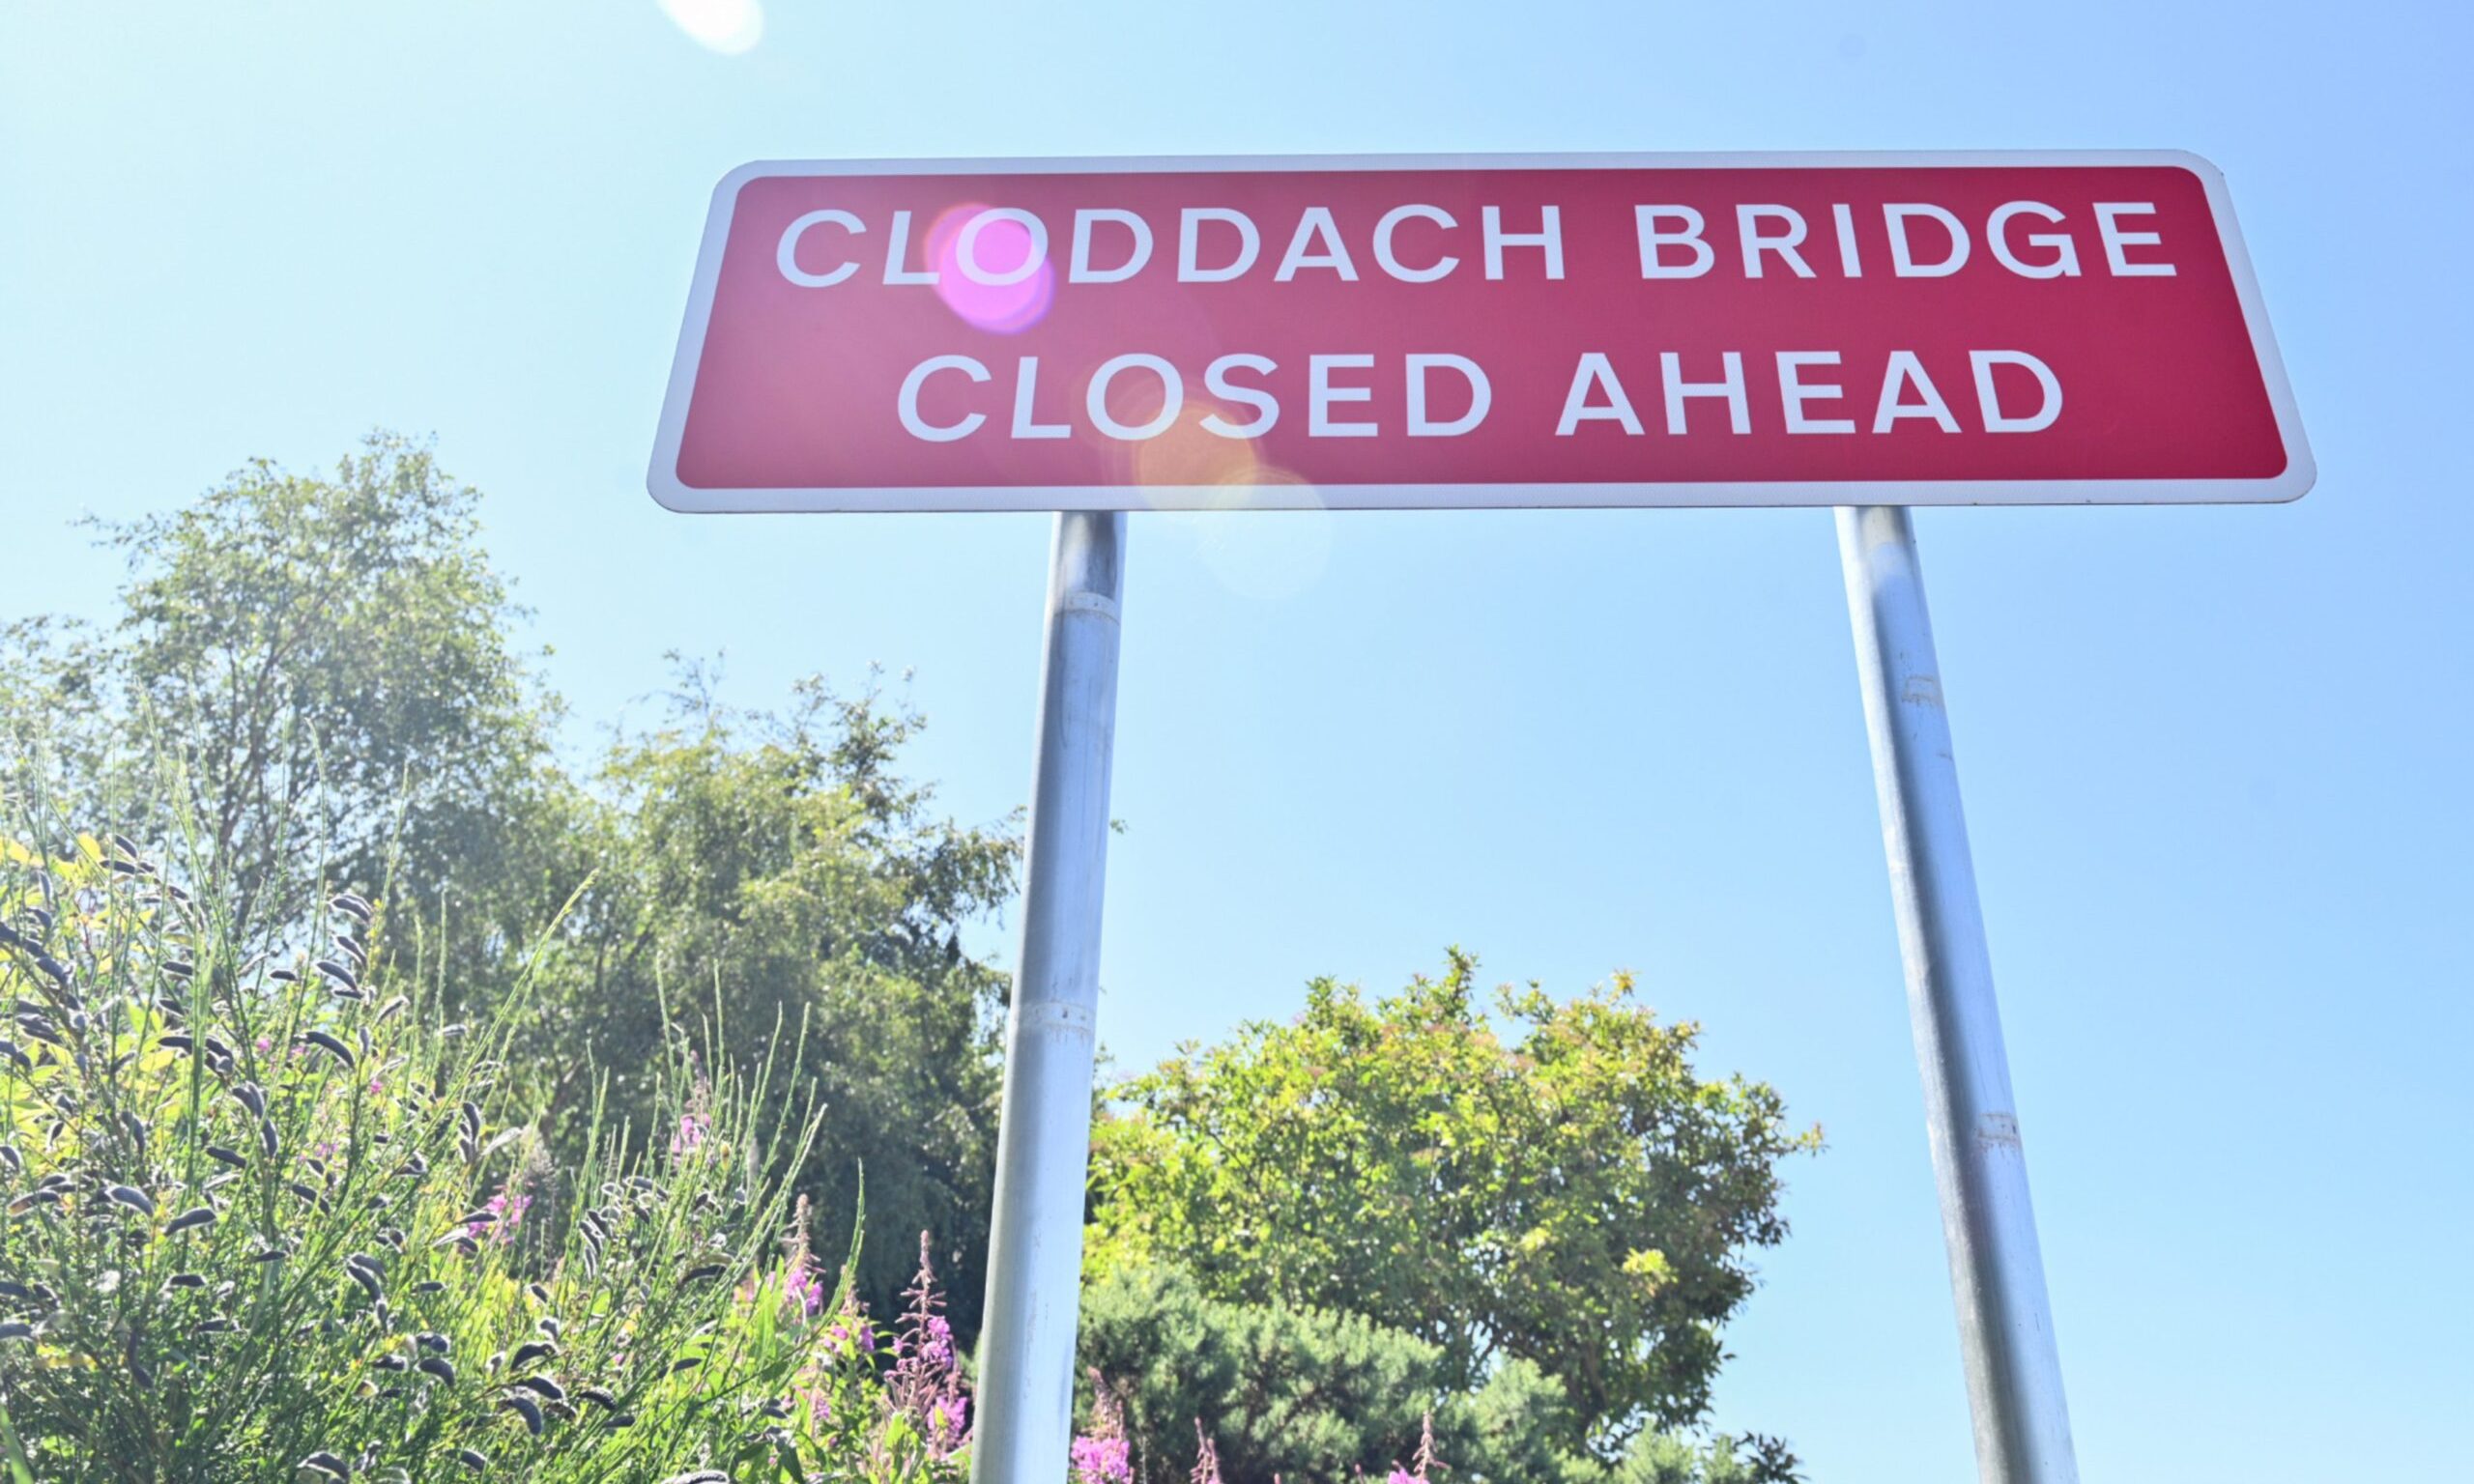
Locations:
column 1423, row 331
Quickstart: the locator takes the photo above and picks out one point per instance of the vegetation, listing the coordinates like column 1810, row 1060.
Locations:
column 1399, row 1159
column 298, row 1176
column 266, row 1213
column 321, row 671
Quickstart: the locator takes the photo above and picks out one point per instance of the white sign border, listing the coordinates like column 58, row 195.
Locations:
column 662, row 478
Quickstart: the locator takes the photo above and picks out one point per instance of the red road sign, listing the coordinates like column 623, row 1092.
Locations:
column 1765, row 329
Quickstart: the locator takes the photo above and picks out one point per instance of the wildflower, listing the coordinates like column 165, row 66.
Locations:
column 500, row 1216
column 1423, row 1465
column 1206, row 1457
column 924, row 1381
column 1100, row 1461
column 690, row 1137
column 804, row 1290
column 1103, row 1455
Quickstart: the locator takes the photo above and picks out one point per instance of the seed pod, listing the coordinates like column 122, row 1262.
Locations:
column 267, row 1138
column 399, row 1002
column 390, row 1363
column 194, row 1217
column 452, row 1031
column 336, row 970
column 700, row 1477
column 15, row 1330
column 252, row 1097
column 543, row 1386
column 325, row 1465
column 472, row 1459
column 598, row 1397
column 526, row 1407
column 529, row 1352
column 185, row 1280
column 432, row 1286
column 702, row 1272
column 539, row 1294
column 218, row 1325
column 131, row 1197
column 176, row 1044
column 439, row 1366
column 430, row 1339
column 352, row 905
column 179, row 968
column 223, row 1155
column 331, row 1046
column 8, row 1050
column 214, row 1183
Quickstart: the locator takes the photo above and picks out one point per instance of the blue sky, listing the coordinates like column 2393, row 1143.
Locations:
column 2214, row 759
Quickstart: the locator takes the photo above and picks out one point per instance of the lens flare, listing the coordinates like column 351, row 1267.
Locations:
column 731, row 27
column 1267, row 556
column 998, row 250
column 1189, row 453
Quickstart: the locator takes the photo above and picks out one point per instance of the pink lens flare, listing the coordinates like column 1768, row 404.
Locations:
column 999, row 249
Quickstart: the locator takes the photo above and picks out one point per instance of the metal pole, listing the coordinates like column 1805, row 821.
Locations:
column 1044, row 1137
column 2005, row 1323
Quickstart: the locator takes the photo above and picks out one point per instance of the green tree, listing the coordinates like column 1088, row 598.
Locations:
column 761, row 876
column 1570, row 1194
column 310, row 671
column 317, row 679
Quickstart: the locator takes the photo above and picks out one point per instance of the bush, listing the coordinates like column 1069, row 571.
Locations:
column 1315, row 1397
column 1552, row 1182
column 263, row 1219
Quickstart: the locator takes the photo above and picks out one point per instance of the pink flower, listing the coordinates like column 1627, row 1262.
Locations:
column 804, row 1289
column 690, row 1136
column 1101, row 1461
column 505, row 1214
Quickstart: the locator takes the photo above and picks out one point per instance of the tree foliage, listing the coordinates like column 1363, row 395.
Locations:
column 313, row 673
column 308, row 669
column 1567, row 1192
column 761, row 876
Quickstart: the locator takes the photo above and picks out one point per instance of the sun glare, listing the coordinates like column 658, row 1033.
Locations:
column 731, row 27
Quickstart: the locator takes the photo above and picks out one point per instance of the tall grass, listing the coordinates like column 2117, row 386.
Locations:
column 265, row 1219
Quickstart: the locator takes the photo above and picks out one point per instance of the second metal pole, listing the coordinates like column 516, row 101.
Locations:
column 2005, row 1323
column 1025, row 1422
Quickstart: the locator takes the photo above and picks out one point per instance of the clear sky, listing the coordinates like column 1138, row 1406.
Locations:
column 2215, row 758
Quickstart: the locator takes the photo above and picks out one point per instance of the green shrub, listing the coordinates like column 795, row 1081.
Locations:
column 263, row 1220
column 1310, row 1396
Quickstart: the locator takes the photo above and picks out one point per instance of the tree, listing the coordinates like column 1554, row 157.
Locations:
column 317, row 680
column 310, row 671
column 1570, row 1193
column 767, row 880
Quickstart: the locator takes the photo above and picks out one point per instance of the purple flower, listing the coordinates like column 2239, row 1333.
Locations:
column 1101, row 1461
column 804, row 1289
column 690, row 1136
column 505, row 1214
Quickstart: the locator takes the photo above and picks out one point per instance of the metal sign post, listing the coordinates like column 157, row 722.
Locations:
column 1483, row 331
column 2005, row 1325
column 1035, row 1241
